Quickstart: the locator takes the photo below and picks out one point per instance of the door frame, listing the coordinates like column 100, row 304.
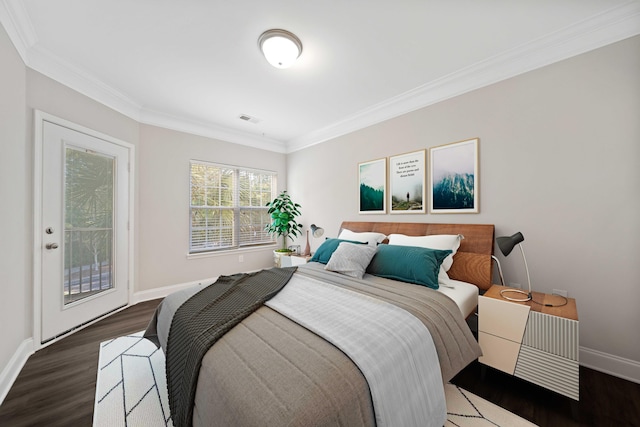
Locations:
column 40, row 118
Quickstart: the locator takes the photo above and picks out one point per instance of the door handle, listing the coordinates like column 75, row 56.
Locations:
column 51, row 246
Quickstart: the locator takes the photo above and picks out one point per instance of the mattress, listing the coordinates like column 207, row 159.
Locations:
column 464, row 294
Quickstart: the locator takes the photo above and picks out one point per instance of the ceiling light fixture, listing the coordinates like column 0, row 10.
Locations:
column 280, row 47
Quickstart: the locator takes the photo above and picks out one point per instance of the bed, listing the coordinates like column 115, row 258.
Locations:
column 318, row 369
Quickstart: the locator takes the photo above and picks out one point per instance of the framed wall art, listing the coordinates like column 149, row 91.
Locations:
column 372, row 180
column 407, row 176
column 453, row 183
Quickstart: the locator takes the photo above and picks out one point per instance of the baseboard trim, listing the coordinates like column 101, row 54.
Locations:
column 15, row 365
column 610, row 364
column 162, row 292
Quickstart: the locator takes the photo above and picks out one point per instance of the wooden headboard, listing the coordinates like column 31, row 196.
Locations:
column 472, row 262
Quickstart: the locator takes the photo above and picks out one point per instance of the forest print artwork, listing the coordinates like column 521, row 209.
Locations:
column 372, row 177
column 454, row 177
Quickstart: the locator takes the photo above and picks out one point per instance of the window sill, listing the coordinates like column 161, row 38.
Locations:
column 228, row 252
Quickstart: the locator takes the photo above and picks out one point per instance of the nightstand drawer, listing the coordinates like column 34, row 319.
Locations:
column 550, row 371
column 502, row 318
column 293, row 260
column 299, row 260
column 552, row 334
column 498, row 352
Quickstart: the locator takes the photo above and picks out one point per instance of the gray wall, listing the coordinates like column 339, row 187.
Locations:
column 559, row 161
column 15, row 191
column 163, row 211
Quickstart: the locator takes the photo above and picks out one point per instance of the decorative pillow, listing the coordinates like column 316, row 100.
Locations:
column 368, row 237
column 326, row 249
column 410, row 264
column 436, row 241
column 351, row 259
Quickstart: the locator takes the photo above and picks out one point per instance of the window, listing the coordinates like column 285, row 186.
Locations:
column 228, row 207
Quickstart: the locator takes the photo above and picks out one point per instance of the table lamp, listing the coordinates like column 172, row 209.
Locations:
column 506, row 245
column 315, row 232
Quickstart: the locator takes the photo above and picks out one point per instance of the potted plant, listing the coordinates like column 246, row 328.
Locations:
column 283, row 224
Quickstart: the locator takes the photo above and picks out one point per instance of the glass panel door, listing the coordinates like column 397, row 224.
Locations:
column 83, row 196
column 88, row 223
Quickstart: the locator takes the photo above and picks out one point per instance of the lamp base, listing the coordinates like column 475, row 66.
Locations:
column 307, row 248
column 518, row 291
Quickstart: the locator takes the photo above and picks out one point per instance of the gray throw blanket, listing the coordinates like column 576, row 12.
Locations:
column 202, row 320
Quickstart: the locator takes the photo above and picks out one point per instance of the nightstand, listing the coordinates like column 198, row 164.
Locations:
column 293, row 260
column 531, row 341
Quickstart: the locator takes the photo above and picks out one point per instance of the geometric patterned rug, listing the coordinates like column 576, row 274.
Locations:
column 466, row 409
column 131, row 390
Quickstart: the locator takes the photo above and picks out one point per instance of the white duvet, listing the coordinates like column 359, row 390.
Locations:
column 392, row 348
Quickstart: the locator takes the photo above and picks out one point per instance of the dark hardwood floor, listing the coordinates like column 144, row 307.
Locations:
column 57, row 385
column 605, row 400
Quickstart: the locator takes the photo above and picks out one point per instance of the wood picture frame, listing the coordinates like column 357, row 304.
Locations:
column 407, row 189
column 372, row 186
column 453, row 177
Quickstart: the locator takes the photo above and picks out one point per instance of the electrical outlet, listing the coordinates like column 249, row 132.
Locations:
column 560, row 292
column 240, row 258
column 515, row 285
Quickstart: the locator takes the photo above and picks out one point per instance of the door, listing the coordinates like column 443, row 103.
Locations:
column 84, row 240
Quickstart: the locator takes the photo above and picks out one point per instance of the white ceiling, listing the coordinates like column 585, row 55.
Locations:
column 194, row 65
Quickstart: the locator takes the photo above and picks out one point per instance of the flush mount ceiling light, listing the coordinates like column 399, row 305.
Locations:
column 280, row 47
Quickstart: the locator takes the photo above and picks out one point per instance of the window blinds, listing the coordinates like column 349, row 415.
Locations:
column 227, row 206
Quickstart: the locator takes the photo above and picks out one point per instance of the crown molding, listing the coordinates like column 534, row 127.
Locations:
column 210, row 130
column 613, row 25
column 15, row 19
column 68, row 74
column 16, row 22
column 610, row 26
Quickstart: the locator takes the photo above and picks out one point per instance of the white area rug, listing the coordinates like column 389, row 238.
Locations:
column 132, row 388
column 465, row 409
column 132, row 391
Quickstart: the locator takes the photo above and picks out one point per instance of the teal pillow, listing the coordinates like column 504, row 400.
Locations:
column 410, row 264
column 326, row 249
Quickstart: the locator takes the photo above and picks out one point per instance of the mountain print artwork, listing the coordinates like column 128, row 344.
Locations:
column 454, row 177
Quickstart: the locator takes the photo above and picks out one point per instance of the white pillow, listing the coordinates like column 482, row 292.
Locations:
column 368, row 237
column 351, row 259
column 435, row 241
